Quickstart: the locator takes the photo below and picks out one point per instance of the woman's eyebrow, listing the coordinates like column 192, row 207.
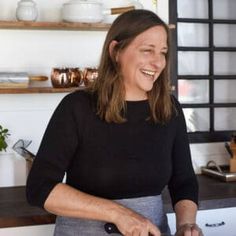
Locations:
column 153, row 46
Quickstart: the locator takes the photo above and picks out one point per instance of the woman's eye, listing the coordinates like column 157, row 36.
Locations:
column 147, row 50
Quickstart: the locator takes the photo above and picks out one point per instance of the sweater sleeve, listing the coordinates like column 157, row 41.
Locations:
column 183, row 183
column 56, row 150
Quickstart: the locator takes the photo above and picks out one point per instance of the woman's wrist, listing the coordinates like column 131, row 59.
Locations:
column 179, row 227
column 116, row 211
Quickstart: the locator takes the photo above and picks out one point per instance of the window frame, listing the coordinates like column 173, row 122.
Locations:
column 211, row 135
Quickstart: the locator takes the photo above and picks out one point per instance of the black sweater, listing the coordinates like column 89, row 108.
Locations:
column 133, row 159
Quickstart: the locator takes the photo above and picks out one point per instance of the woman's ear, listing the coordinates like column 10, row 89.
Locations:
column 112, row 45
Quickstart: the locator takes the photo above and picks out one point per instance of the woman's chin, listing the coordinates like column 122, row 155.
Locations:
column 148, row 88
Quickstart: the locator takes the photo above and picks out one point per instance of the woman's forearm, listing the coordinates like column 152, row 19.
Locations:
column 67, row 201
column 186, row 212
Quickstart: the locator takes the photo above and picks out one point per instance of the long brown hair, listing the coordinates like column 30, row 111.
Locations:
column 109, row 87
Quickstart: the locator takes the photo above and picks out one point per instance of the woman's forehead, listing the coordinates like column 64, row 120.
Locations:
column 153, row 36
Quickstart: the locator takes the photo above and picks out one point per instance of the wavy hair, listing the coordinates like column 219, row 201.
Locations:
column 109, row 87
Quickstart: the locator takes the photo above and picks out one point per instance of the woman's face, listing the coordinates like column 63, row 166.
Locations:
column 142, row 61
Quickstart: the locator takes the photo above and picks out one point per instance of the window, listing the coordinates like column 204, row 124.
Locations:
column 203, row 66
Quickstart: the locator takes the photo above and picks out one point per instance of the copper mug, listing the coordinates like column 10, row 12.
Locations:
column 89, row 75
column 66, row 77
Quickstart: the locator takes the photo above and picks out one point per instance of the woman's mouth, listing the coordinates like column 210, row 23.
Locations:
column 149, row 73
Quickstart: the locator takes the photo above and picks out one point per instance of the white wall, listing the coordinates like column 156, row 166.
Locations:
column 37, row 51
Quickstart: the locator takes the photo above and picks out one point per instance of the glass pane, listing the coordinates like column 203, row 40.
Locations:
column 225, row 118
column 197, row 119
column 224, row 9
column 192, row 8
column 193, row 63
column 224, row 35
column 191, row 34
column 225, row 91
column 193, row 91
column 225, row 63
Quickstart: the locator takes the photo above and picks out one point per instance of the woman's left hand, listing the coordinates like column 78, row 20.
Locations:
column 189, row 230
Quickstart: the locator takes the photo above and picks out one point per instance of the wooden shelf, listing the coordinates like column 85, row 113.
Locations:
column 57, row 25
column 53, row 25
column 11, row 25
column 38, row 90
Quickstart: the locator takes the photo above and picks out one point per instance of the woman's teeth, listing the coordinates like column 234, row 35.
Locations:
column 148, row 72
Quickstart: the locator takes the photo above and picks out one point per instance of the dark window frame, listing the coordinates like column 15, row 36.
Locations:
column 211, row 135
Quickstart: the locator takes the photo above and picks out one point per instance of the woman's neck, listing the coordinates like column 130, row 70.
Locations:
column 135, row 97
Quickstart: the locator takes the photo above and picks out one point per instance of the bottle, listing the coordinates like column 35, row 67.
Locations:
column 26, row 10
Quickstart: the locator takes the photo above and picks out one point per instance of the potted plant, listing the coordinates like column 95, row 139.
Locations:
column 3, row 136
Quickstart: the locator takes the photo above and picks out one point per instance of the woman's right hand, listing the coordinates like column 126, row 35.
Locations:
column 131, row 223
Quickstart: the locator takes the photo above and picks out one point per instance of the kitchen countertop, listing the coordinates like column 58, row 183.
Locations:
column 15, row 211
column 212, row 194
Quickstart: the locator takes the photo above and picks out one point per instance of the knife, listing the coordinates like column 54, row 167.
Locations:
column 111, row 228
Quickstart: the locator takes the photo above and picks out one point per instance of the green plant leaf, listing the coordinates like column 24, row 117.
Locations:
column 3, row 145
column 3, row 135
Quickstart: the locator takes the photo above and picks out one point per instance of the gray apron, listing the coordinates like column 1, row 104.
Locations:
column 151, row 207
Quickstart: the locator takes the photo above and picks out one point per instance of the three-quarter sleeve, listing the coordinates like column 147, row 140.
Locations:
column 183, row 183
column 56, row 150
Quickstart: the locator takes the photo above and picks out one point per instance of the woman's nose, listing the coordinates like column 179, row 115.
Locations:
column 158, row 61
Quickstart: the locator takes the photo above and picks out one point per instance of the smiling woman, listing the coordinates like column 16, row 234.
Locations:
column 142, row 62
column 120, row 142
column 146, row 44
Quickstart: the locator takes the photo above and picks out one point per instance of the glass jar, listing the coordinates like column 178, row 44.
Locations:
column 26, row 10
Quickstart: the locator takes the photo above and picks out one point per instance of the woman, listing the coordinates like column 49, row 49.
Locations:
column 119, row 142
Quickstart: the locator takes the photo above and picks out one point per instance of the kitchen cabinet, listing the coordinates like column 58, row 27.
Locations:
column 214, row 222
column 38, row 230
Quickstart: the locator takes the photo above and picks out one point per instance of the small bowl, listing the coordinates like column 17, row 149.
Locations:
column 82, row 11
